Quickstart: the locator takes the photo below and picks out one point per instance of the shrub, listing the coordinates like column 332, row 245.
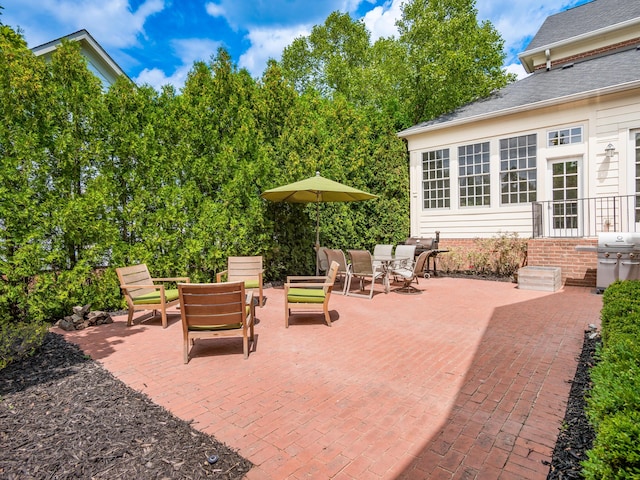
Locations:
column 613, row 406
column 501, row 255
column 616, row 450
column 616, row 380
column 21, row 339
column 619, row 301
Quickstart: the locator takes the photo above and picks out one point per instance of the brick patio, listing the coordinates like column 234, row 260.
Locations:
column 468, row 380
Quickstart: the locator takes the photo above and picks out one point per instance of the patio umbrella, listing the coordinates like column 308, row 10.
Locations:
column 316, row 190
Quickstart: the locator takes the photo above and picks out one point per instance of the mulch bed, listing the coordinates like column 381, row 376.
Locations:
column 64, row 416
column 577, row 435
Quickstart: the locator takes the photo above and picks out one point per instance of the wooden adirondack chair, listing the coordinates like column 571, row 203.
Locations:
column 143, row 293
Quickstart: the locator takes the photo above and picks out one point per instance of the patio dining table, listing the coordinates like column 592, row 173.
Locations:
column 386, row 262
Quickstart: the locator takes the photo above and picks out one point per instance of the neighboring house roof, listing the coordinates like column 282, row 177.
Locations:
column 100, row 63
column 585, row 19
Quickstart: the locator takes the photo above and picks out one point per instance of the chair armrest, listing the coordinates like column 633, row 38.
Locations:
column 300, row 278
column 305, row 285
column 220, row 274
column 172, row 279
column 252, row 305
column 151, row 285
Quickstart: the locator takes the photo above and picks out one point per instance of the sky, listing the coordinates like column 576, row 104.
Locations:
column 156, row 41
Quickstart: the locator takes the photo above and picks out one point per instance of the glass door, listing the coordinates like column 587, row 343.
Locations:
column 565, row 192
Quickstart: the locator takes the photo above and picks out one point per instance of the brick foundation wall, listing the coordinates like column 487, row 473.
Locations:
column 578, row 268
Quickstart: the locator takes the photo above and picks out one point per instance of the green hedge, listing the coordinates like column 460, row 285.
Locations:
column 613, row 406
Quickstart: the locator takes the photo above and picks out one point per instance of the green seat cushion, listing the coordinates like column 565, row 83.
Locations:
column 251, row 284
column 306, row 295
column 205, row 328
column 154, row 297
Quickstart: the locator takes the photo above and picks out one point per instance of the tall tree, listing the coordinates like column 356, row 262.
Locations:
column 452, row 59
column 23, row 124
column 75, row 206
column 442, row 59
column 331, row 59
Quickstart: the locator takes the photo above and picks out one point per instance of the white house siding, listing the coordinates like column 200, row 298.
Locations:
column 615, row 124
column 605, row 119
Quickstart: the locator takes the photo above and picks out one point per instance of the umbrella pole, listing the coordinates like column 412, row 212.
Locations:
column 317, row 237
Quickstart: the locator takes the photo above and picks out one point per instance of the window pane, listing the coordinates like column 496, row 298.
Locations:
column 474, row 181
column 435, row 174
column 564, row 136
column 521, row 154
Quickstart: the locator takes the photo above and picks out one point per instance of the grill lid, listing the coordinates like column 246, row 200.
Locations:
column 618, row 241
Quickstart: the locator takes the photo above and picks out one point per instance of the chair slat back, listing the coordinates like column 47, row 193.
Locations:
column 361, row 262
column 212, row 304
column 243, row 268
column 135, row 275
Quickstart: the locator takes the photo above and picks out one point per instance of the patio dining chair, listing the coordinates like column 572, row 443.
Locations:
column 304, row 293
column 322, row 261
column 344, row 269
column 362, row 269
column 210, row 310
column 405, row 255
column 409, row 274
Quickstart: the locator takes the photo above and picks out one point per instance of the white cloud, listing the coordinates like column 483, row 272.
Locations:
column 268, row 43
column 381, row 20
column 158, row 79
column 112, row 23
column 215, row 10
column 518, row 69
column 188, row 51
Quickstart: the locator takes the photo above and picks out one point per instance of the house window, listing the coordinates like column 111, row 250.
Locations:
column 435, row 179
column 518, row 181
column 564, row 136
column 474, row 176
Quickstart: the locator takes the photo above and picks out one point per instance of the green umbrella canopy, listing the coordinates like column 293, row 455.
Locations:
column 315, row 190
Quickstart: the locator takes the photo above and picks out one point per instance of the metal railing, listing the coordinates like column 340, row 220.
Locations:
column 586, row 217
